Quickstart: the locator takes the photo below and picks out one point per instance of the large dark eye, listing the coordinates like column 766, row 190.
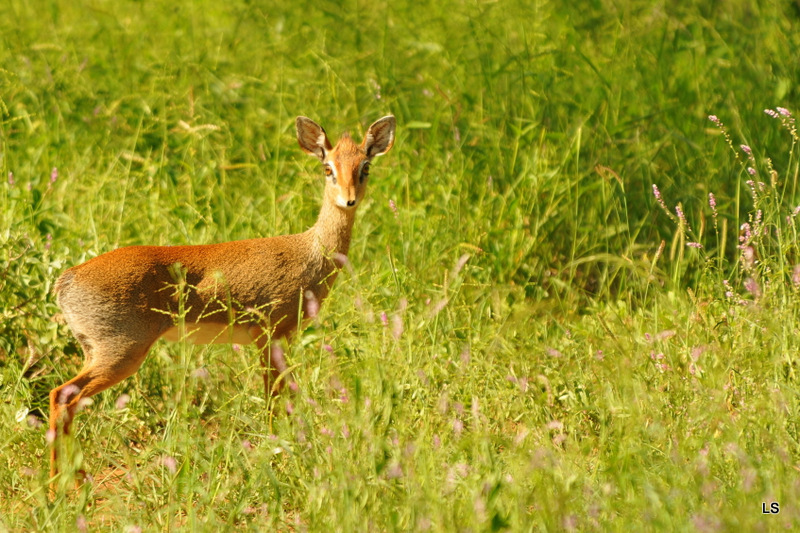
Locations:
column 365, row 171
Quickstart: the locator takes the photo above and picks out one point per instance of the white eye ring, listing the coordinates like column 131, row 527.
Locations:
column 330, row 173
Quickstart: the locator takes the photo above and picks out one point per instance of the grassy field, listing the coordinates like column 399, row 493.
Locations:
column 531, row 337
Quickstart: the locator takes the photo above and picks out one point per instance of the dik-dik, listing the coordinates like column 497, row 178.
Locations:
column 252, row 291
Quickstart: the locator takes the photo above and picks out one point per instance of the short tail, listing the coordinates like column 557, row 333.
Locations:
column 62, row 283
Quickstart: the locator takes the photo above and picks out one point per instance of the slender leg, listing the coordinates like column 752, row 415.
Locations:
column 102, row 372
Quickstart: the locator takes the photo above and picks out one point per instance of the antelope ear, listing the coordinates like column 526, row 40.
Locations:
column 312, row 138
column 380, row 136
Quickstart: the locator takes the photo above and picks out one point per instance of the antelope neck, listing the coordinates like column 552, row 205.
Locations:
column 333, row 228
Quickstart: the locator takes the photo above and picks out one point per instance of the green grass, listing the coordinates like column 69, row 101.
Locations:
column 583, row 370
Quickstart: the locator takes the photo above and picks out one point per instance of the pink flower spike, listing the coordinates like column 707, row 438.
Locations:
column 679, row 212
column 712, row 201
column 11, row 179
column 53, row 175
column 783, row 111
column 656, row 192
column 772, row 113
column 746, row 149
column 751, row 171
column 714, row 119
column 694, row 245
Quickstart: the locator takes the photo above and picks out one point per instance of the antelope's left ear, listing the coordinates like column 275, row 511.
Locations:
column 380, row 137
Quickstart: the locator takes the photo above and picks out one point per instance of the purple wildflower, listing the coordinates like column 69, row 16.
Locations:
column 312, row 304
column 712, row 201
column 715, row 119
column 752, row 287
column 53, row 175
column 393, row 207
column 276, row 355
column 749, row 255
column 169, row 463
column 34, row 422
column 397, row 326
column 728, row 288
column 747, row 234
column 666, row 334
column 783, row 111
column 384, row 318
column 694, row 245
column 122, row 401
column 746, row 149
column 772, row 113
column 395, row 471
column 68, row 392
column 751, row 171
column 201, row 373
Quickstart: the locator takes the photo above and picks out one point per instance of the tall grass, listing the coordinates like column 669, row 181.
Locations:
column 523, row 339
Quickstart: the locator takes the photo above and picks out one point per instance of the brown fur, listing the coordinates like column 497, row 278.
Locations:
column 119, row 303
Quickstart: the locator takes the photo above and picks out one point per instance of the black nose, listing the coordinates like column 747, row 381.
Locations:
column 351, row 203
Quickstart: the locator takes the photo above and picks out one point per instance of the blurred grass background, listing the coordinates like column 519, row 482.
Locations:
column 568, row 376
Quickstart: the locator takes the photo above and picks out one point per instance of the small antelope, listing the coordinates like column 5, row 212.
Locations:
column 252, row 291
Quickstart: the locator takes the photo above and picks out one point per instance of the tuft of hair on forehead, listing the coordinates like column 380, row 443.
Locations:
column 347, row 145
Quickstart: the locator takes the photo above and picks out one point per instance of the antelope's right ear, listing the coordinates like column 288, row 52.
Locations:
column 312, row 138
